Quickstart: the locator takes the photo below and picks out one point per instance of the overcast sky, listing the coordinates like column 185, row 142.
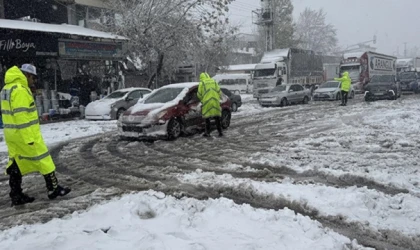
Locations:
column 394, row 22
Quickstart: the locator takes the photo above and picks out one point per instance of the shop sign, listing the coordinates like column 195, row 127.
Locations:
column 90, row 50
column 27, row 45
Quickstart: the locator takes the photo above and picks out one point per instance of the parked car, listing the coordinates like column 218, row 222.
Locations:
column 285, row 94
column 331, row 90
column 382, row 87
column 167, row 113
column 235, row 98
column 409, row 81
column 113, row 105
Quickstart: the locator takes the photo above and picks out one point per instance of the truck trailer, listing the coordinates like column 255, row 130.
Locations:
column 286, row 66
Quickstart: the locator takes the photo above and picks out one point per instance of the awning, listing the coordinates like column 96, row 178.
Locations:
column 58, row 28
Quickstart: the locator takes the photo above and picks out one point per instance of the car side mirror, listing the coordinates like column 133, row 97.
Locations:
column 129, row 99
column 290, row 90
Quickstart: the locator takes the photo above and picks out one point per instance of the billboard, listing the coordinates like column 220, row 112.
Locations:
column 90, row 50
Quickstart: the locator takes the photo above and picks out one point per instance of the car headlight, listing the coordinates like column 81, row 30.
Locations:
column 159, row 115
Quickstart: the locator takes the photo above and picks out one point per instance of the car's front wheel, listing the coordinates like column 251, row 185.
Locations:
column 305, row 100
column 234, row 107
column 174, row 129
column 338, row 97
column 226, row 116
column 283, row 102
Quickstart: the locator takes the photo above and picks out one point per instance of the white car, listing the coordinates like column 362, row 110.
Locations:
column 331, row 90
column 112, row 106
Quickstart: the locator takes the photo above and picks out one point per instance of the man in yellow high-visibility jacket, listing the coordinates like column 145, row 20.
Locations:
column 27, row 150
column 209, row 94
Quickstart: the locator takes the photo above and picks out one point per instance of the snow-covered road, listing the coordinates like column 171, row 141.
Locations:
column 315, row 176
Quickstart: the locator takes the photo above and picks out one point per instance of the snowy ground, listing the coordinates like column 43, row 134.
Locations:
column 312, row 176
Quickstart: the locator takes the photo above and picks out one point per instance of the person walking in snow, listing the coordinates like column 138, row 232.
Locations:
column 345, row 87
column 26, row 148
column 209, row 94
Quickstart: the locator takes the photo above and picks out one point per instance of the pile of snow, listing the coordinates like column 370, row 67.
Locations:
column 149, row 220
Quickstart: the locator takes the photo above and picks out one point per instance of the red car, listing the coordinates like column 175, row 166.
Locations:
column 169, row 112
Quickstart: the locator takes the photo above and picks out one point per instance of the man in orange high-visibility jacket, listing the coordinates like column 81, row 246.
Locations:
column 26, row 148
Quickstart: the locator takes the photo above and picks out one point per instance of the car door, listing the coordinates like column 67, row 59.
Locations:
column 193, row 116
column 132, row 98
column 293, row 93
column 300, row 93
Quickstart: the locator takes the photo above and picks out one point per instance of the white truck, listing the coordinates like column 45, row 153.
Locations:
column 408, row 64
column 288, row 66
column 362, row 66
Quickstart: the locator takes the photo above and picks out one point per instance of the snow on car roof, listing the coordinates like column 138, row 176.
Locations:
column 181, row 85
column 57, row 28
column 142, row 106
column 132, row 88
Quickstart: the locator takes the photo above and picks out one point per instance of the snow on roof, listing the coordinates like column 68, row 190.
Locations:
column 57, row 28
column 239, row 67
column 275, row 55
column 219, row 77
column 249, row 51
column 353, row 54
column 404, row 61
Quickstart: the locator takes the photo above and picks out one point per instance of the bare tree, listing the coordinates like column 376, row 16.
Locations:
column 165, row 34
column 314, row 34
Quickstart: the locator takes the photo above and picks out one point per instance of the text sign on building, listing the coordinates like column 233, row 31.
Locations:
column 24, row 44
column 382, row 65
column 92, row 50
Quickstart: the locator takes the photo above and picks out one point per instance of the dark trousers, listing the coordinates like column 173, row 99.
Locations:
column 218, row 124
column 344, row 96
column 15, row 180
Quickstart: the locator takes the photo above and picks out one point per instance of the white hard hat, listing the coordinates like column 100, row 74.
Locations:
column 29, row 68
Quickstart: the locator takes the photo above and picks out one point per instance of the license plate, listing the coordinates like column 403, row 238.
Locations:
column 378, row 93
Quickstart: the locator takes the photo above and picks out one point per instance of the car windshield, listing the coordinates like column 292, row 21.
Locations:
column 163, row 95
column 116, row 94
column 382, row 78
column 329, row 85
column 407, row 75
column 264, row 72
column 279, row 88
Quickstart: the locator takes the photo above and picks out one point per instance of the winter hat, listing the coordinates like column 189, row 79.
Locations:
column 29, row 68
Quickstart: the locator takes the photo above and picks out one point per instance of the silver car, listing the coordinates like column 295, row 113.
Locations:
column 113, row 105
column 331, row 90
column 284, row 95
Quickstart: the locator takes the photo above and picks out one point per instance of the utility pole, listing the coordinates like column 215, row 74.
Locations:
column 405, row 49
column 265, row 18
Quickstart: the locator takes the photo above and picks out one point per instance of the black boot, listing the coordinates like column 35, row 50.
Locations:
column 59, row 191
column 15, row 183
column 21, row 199
column 54, row 190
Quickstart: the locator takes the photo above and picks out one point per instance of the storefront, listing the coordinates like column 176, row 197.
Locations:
column 69, row 59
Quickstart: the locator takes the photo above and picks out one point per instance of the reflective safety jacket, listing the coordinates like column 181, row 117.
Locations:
column 345, row 81
column 22, row 131
column 209, row 94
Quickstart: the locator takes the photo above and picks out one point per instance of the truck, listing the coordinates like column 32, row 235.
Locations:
column 288, row 65
column 408, row 64
column 362, row 66
column 330, row 71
